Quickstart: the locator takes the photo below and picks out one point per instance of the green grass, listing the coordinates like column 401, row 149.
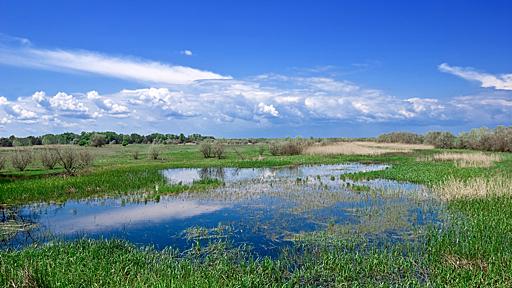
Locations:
column 472, row 249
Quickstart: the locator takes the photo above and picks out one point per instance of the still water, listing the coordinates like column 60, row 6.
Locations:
column 263, row 208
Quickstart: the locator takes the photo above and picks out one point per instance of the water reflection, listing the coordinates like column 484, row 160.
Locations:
column 262, row 207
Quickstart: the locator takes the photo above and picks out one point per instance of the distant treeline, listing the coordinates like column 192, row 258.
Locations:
column 100, row 138
column 498, row 139
column 486, row 139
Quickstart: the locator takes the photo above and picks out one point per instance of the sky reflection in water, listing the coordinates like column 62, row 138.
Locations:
column 262, row 207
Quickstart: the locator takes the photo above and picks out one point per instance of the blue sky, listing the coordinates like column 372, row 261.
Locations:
column 265, row 68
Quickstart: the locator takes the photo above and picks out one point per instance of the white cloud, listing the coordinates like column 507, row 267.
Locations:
column 3, row 100
column 498, row 82
column 102, row 64
column 186, row 52
column 21, row 113
column 213, row 106
column 268, row 109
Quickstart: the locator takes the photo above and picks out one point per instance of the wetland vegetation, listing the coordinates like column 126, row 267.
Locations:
column 295, row 213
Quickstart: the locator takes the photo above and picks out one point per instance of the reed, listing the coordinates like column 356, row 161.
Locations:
column 364, row 148
column 477, row 187
column 477, row 159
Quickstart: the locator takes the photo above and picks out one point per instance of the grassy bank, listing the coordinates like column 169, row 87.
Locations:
column 115, row 171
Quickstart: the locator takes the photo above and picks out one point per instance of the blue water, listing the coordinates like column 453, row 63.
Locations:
column 259, row 207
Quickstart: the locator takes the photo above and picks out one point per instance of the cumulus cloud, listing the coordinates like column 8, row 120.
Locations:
column 102, row 64
column 498, row 82
column 3, row 100
column 186, row 52
column 234, row 104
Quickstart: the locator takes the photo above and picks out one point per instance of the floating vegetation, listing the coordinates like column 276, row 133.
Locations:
column 11, row 224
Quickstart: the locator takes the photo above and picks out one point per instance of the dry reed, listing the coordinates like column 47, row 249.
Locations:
column 453, row 189
column 363, row 148
column 465, row 159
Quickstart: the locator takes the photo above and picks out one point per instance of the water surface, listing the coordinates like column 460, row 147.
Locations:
column 264, row 208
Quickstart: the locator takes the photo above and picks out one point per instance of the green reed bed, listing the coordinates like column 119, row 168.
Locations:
column 101, row 182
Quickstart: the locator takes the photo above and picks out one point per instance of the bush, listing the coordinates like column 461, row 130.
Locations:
column 261, row 150
column 74, row 160
column 206, row 149
column 218, row 149
column 49, row 158
column 98, row 140
column 400, row 137
column 444, row 140
column 3, row 159
column 135, row 155
column 21, row 158
column 291, row 147
column 86, row 158
column 499, row 139
column 154, row 152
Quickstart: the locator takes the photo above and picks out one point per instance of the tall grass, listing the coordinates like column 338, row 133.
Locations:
column 477, row 187
column 477, row 159
column 363, row 148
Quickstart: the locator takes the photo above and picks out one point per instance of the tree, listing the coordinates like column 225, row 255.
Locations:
column 182, row 138
column 98, row 140
column 444, row 140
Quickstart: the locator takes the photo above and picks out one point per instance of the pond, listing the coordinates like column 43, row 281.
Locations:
column 263, row 208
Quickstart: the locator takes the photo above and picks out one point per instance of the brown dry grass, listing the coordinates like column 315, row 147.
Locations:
column 477, row 159
column 363, row 148
column 473, row 188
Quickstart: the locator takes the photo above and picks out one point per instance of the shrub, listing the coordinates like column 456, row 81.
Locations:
column 86, row 158
column 444, row 140
column 206, row 149
column 3, row 159
column 401, row 137
column 218, row 149
column 73, row 160
column 98, row 140
column 135, row 155
column 49, row 158
column 261, row 150
column 154, row 152
column 21, row 158
column 290, row 147
column 274, row 148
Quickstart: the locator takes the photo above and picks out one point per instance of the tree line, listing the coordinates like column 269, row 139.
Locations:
column 498, row 139
column 101, row 138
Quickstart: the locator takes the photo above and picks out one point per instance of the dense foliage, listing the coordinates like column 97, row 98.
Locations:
column 498, row 139
column 100, row 138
